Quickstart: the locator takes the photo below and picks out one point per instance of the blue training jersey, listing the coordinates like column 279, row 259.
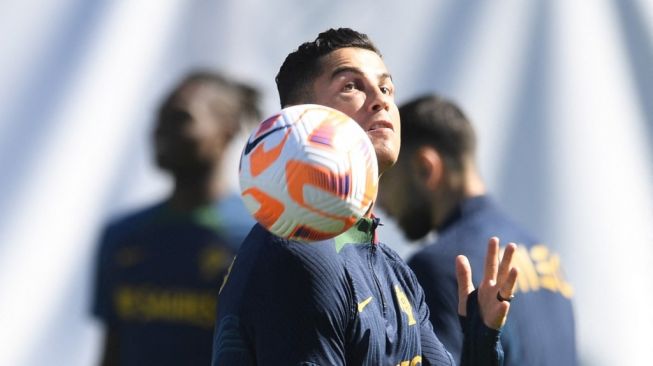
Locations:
column 158, row 272
column 345, row 301
column 540, row 326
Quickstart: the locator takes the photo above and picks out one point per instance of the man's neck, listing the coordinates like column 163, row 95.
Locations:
column 190, row 193
column 473, row 184
column 467, row 185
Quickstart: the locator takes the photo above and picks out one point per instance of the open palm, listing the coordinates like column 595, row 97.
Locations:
column 498, row 282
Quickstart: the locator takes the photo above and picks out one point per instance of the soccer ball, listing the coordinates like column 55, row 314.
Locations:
column 308, row 173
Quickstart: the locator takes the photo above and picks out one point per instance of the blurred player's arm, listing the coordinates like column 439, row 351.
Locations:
column 101, row 307
column 110, row 350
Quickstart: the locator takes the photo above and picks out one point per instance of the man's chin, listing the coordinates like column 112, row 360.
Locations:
column 183, row 168
column 385, row 160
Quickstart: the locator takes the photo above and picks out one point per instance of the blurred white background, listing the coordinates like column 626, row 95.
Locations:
column 561, row 93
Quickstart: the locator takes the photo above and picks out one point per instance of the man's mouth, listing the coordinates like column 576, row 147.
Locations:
column 380, row 124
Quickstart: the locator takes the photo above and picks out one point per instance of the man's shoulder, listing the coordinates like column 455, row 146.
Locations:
column 267, row 251
column 135, row 218
column 399, row 265
column 487, row 218
column 271, row 267
column 468, row 233
column 433, row 261
column 480, row 219
column 125, row 225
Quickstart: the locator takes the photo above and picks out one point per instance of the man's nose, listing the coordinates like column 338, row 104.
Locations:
column 379, row 100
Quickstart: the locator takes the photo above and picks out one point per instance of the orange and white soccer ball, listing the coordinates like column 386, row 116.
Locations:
column 308, row 173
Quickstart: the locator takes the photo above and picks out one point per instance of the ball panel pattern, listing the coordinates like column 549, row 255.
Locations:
column 308, row 173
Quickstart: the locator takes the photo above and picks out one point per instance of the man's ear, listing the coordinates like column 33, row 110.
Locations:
column 428, row 166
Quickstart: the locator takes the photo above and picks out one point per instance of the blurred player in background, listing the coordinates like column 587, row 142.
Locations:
column 158, row 269
column 349, row 300
column 435, row 185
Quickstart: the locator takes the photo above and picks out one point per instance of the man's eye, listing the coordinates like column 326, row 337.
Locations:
column 348, row 87
column 386, row 90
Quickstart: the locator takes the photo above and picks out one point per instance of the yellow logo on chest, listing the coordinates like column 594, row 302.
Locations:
column 404, row 304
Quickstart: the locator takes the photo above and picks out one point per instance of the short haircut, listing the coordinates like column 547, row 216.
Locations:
column 434, row 121
column 301, row 67
column 237, row 103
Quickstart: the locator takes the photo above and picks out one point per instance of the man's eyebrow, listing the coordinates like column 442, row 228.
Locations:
column 343, row 69
column 356, row 70
column 385, row 75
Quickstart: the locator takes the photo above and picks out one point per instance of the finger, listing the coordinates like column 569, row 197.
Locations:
column 465, row 285
column 508, row 287
column 491, row 259
column 506, row 261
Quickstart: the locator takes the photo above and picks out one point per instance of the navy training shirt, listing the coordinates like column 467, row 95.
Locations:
column 158, row 272
column 540, row 327
column 345, row 301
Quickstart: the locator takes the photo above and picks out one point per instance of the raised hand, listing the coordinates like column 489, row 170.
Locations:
column 495, row 290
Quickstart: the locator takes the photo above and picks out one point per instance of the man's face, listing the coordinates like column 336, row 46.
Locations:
column 356, row 82
column 188, row 136
column 404, row 199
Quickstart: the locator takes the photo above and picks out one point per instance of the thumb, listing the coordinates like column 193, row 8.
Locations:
column 465, row 285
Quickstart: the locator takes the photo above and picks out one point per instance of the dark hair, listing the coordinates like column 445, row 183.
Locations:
column 437, row 122
column 301, row 67
column 238, row 102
